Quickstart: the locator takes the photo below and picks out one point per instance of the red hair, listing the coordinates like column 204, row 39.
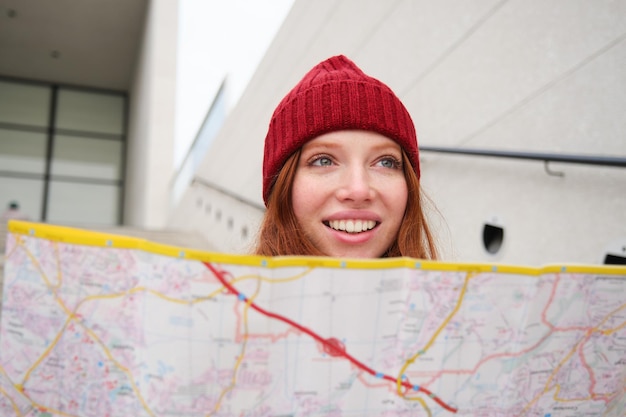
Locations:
column 280, row 233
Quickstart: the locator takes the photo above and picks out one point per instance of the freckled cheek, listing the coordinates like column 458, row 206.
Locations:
column 396, row 188
column 397, row 196
column 305, row 196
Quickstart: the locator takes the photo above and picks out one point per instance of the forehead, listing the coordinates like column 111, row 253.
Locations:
column 351, row 139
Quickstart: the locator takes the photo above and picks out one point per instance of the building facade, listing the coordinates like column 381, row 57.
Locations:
column 87, row 110
column 508, row 76
column 504, row 76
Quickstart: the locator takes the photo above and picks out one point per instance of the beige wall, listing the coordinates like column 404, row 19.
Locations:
column 151, row 114
column 539, row 76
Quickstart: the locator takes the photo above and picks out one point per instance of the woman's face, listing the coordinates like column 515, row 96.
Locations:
column 349, row 193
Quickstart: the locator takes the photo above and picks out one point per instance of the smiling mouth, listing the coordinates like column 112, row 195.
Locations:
column 351, row 226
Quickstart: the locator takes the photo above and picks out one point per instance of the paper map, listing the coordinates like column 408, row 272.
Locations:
column 102, row 325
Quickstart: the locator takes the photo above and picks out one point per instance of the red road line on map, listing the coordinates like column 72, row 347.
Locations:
column 488, row 358
column 385, row 385
column 549, row 303
column 583, row 361
column 325, row 342
column 592, row 376
column 588, row 332
column 472, row 371
column 273, row 337
column 544, row 312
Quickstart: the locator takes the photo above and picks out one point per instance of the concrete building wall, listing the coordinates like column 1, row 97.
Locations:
column 535, row 76
column 151, row 128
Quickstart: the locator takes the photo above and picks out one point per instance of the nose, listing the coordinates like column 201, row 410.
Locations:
column 355, row 185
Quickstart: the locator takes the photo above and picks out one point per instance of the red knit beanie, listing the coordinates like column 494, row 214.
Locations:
column 334, row 95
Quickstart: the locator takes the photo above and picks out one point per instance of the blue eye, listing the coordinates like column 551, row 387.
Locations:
column 322, row 161
column 390, row 163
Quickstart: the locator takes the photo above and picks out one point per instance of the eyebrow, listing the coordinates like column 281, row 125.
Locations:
column 330, row 144
column 323, row 144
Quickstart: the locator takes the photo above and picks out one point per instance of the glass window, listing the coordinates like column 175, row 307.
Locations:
column 24, row 104
column 90, row 112
column 76, row 203
column 86, row 171
column 22, row 151
column 87, row 157
column 28, row 193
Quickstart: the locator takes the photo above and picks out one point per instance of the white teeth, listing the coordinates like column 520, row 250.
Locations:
column 352, row 226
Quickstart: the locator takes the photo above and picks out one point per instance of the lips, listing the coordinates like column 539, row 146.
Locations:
column 351, row 225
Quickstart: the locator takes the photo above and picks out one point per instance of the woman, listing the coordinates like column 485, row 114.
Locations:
column 341, row 171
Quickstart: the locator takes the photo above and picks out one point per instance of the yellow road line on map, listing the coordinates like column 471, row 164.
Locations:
column 608, row 316
column 135, row 290
column 45, row 353
column 261, row 278
column 71, row 316
column 108, row 353
column 70, row 235
column 420, row 352
column 13, row 403
column 238, row 362
column 425, row 406
column 257, row 277
column 253, row 276
column 568, row 400
column 567, row 357
column 244, row 344
column 7, row 255
column 620, row 327
column 547, row 387
column 20, row 389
